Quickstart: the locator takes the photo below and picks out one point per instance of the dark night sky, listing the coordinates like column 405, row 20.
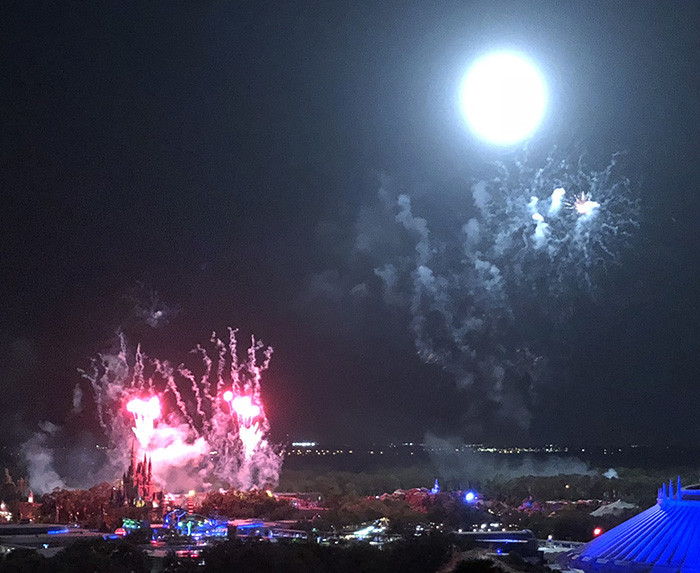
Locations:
column 221, row 154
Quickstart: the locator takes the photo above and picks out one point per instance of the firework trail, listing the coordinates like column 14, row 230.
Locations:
column 197, row 430
column 483, row 272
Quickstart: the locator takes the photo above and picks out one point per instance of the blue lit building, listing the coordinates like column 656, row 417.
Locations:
column 523, row 542
column 663, row 539
column 46, row 539
column 197, row 527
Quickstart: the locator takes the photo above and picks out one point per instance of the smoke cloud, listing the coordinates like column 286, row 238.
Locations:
column 147, row 306
column 39, row 457
column 487, row 271
column 459, row 464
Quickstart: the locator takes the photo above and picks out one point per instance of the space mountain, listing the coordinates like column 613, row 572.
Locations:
column 663, row 539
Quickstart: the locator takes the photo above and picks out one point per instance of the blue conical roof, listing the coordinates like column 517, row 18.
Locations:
column 663, row 539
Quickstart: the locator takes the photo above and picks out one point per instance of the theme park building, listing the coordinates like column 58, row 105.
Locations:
column 664, row 539
column 137, row 486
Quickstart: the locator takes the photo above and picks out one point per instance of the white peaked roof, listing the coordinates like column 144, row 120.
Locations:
column 613, row 508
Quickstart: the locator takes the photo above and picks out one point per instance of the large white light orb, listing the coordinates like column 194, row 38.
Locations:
column 503, row 98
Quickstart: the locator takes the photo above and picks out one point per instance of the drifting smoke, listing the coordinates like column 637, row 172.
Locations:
column 148, row 307
column 458, row 464
column 181, row 418
column 611, row 474
column 77, row 399
column 494, row 268
column 40, row 460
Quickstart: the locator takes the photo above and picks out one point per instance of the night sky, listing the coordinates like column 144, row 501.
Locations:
column 222, row 163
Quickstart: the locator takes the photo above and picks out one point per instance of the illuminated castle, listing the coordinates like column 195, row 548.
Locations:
column 137, row 483
column 664, row 539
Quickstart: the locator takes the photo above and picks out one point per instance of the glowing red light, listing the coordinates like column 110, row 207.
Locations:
column 597, row 531
column 228, row 396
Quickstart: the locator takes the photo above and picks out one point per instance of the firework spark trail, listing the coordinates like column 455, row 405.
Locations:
column 233, row 352
column 221, row 365
column 197, row 420
column 138, row 380
column 518, row 253
column 578, row 241
column 166, row 371
column 253, row 367
column 256, row 460
column 93, row 376
column 206, row 382
column 187, row 374
column 108, row 375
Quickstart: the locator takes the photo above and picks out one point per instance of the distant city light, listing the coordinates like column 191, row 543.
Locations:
column 304, row 444
column 469, row 497
column 597, row 531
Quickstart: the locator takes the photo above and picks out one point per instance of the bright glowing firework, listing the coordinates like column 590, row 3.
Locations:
column 145, row 413
column 246, row 413
column 205, row 434
column 583, row 205
column 245, row 410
